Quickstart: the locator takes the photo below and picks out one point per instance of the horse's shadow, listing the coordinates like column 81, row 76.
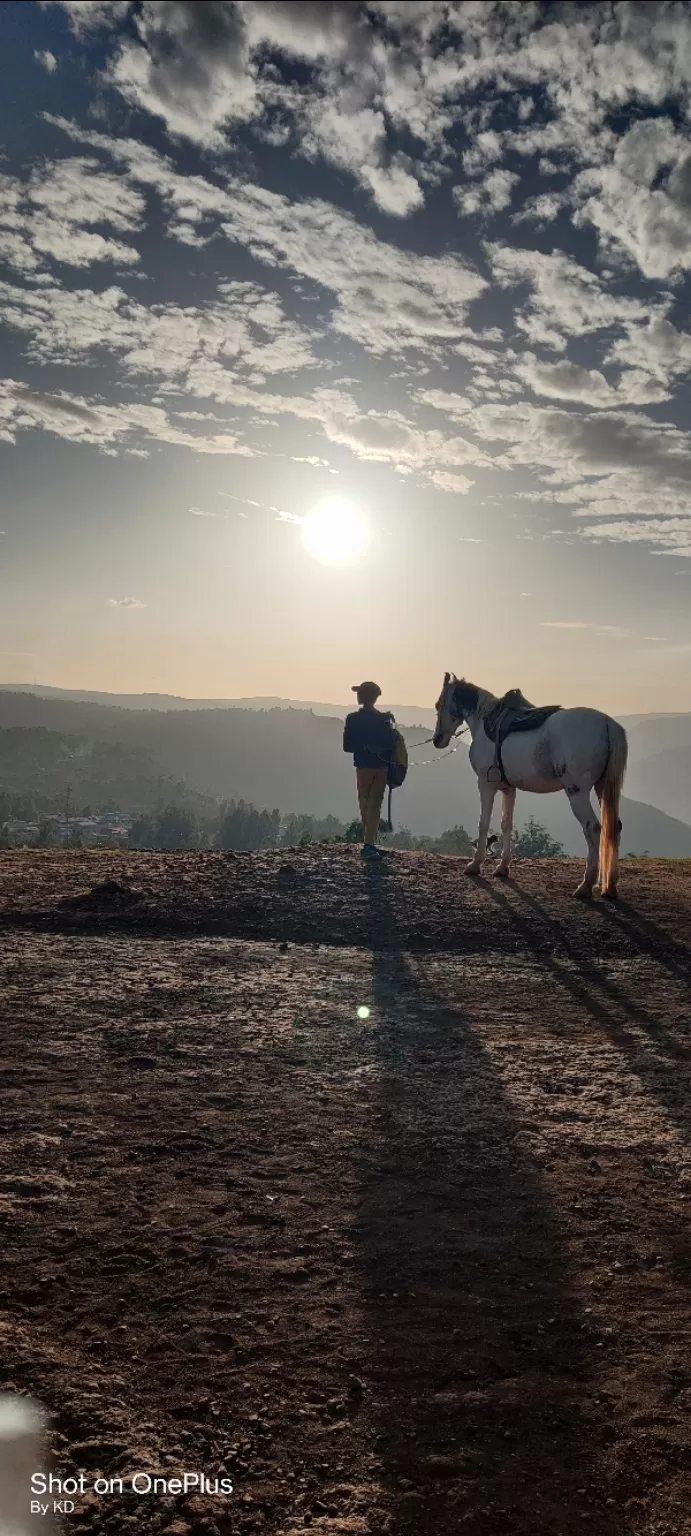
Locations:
column 606, row 999
column 650, row 938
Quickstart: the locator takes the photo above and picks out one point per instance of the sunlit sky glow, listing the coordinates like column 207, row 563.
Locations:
column 336, row 533
column 428, row 262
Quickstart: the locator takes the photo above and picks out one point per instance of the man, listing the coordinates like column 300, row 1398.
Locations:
column 370, row 737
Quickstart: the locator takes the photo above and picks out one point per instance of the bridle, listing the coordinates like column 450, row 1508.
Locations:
column 461, row 730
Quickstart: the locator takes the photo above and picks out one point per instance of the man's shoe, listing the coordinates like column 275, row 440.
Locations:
column 369, row 851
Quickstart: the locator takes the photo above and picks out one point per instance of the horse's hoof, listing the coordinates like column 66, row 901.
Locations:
column 612, row 895
column 501, row 874
column 473, row 870
column 584, row 892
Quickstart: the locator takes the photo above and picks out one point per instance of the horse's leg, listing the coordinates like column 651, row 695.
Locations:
column 487, row 793
column 503, row 868
column 581, row 806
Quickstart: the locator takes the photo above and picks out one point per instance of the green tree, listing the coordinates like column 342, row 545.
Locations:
column 142, row 833
column 171, row 827
column 242, row 826
column 535, row 842
column 403, row 839
column 47, row 834
column 455, row 840
column 176, row 828
column 298, row 828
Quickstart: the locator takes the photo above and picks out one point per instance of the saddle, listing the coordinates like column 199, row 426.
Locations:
column 512, row 713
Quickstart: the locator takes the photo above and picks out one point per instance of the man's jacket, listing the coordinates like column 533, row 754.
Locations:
column 370, row 737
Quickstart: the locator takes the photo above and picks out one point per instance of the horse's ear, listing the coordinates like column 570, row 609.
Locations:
column 447, row 679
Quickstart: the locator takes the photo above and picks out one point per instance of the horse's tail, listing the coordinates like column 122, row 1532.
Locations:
column 609, row 789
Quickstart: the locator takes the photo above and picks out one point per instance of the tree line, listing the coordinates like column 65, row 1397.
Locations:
column 239, row 825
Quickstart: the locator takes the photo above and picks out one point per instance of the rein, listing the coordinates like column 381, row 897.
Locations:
column 460, row 731
column 450, row 750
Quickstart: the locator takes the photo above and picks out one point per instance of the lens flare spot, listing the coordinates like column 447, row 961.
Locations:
column 363, row 1012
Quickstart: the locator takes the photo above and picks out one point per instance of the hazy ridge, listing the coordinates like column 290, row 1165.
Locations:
column 291, row 759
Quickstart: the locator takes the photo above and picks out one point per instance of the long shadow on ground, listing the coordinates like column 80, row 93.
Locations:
column 656, row 1041
column 480, row 1369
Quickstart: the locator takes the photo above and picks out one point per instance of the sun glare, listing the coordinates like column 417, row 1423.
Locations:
column 335, row 533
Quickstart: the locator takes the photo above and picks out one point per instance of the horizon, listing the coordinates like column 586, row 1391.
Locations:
column 342, row 341
column 276, row 701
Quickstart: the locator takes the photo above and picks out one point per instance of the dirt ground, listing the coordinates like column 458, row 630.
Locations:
column 367, row 1188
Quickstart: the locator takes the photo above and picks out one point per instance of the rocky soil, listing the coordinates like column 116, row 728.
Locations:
column 365, row 1188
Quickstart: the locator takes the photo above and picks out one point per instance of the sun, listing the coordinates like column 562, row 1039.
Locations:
column 335, row 533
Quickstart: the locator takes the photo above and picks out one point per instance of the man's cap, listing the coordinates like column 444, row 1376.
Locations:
column 366, row 688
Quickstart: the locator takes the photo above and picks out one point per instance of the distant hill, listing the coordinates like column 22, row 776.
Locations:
column 647, row 733
column 664, row 779
column 657, row 733
column 406, row 714
column 40, row 762
column 293, row 760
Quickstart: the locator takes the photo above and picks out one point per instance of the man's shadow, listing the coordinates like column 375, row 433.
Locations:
column 480, row 1366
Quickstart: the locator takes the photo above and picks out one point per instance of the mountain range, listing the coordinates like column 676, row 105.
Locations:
column 289, row 755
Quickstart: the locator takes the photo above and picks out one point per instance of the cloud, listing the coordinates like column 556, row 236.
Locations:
column 243, row 328
column 670, row 536
column 600, row 629
column 489, row 196
column 52, row 215
column 103, row 426
column 203, row 68
column 124, row 602
column 46, row 59
column 552, row 113
column 386, row 298
column 603, row 464
column 636, row 215
column 88, row 15
column 657, row 348
column 457, row 485
column 383, row 90
column 565, row 298
column 588, row 386
column 188, row 64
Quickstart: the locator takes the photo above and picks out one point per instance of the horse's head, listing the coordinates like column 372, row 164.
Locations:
column 457, row 701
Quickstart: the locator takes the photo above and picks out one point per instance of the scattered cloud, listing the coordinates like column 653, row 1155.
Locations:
column 588, row 386
column 600, row 629
column 102, row 426
column 492, row 195
column 50, row 216
column 496, row 281
column 46, row 59
column 125, row 602
column 242, row 330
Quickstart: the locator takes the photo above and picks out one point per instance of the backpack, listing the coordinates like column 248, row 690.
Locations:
column 398, row 762
column 397, row 769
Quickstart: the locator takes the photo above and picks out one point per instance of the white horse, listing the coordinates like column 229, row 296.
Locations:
column 574, row 749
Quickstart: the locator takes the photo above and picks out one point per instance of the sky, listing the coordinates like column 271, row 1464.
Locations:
column 426, row 261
